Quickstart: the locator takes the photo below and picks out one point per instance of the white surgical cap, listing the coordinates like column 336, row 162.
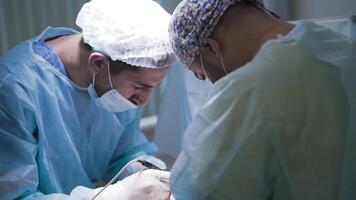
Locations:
column 132, row 31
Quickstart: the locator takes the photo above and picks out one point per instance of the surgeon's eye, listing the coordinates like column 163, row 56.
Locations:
column 138, row 87
column 143, row 87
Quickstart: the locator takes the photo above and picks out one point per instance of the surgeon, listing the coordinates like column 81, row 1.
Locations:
column 70, row 105
column 280, row 122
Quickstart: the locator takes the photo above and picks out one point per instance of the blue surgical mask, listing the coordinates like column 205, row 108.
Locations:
column 112, row 100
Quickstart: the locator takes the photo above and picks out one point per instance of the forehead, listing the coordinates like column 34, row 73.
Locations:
column 150, row 76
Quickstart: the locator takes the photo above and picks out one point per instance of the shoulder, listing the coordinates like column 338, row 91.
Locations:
column 275, row 60
column 18, row 75
column 276, row 78
column 14, row 90
column 17, row 62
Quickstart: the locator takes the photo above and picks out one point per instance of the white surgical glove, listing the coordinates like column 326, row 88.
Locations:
column 146, row 185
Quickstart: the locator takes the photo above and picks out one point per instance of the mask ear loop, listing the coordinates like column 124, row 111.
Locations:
column 110, row 81
column 93, row 79
column 202, row 65
column 112, row 87
column 222, row 63
column 93, row 76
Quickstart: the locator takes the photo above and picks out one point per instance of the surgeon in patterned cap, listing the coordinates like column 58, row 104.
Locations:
column 270, row 129
column 194, row 30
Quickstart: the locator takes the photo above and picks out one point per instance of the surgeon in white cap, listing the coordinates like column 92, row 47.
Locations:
column 70, row 105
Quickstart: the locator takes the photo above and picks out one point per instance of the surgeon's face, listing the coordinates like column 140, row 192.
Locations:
column 137, row 85
column 134, row 83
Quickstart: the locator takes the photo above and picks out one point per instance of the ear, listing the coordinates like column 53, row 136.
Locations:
column 212, row 51
column 97, row 62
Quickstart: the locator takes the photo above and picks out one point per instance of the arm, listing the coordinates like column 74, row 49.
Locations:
column 229, row 149
column 18, row 144
column 226, row 155
column 239, row 145
column 19, row 177
column 131, row 145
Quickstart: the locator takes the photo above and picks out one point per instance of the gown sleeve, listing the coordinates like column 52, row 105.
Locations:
column 18, row 143
column 132, row 144
column 229, row 150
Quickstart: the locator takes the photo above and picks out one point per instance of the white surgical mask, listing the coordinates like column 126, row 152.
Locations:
column 112, row 100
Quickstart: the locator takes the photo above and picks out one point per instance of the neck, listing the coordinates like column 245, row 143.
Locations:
column 270, row 31
column 257, row 29
column 74, row 56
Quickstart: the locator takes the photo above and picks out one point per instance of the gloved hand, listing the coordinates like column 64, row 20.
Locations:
column 146, row 185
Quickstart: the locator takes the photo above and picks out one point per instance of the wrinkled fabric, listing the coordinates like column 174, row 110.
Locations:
column 146, row 185
column 174, row 113
column 41, row 48
column 281, row 127
column 182, row 96
column 344, row 25
column 52, row 136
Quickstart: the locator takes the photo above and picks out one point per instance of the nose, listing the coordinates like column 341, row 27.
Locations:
column 141, row 97
column 199, row 76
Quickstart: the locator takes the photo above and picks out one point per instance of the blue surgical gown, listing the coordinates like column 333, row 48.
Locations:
column 281, row 127
column 52, row 136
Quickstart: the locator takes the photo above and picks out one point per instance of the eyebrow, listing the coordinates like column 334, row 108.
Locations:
column 149, row 86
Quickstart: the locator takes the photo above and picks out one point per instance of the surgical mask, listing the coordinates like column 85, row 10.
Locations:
column 112, row 100
column 202, row 64
column 223, row 64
